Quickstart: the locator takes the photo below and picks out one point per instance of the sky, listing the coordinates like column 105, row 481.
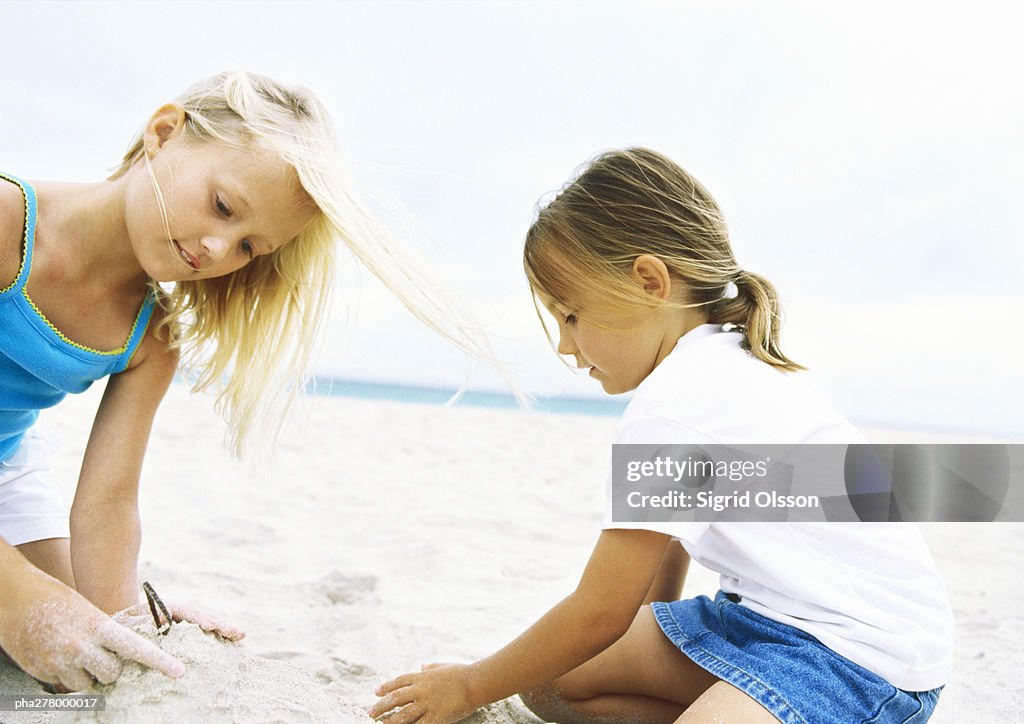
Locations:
column 868, row 159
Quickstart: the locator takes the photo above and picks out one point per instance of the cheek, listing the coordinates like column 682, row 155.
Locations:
column 223, row 271
column 591, row 345
column 142, row 214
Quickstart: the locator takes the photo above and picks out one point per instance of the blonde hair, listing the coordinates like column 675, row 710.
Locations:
column 624, row 204
column 250, row 334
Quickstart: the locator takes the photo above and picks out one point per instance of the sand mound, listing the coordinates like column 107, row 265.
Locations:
column 224, row 683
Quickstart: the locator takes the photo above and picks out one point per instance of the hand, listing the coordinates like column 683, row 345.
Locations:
column 140, row 619
column 57, row 636
column 439, row 694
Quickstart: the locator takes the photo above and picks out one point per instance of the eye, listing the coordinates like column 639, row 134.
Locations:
column 570, row 319
column 248, row 248
column 222, row 207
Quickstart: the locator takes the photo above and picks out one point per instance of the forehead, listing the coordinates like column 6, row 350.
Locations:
column 547, row 301
column 552, row 276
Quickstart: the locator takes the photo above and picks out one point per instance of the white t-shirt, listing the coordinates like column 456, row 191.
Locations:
column 868, row 591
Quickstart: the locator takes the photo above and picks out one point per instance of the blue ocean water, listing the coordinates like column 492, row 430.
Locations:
column 470, row 398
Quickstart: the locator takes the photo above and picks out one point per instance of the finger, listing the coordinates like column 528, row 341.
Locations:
column 138, row 618
column 138, row 609
column 53, row 688
column 139, row 624
column 399, row 697
column 408, row 715
column 428, row 667
column 75, row 679
column 206, row 621
column 123, row 618
column 104, row 666
column 132, row 646
column 397, row 683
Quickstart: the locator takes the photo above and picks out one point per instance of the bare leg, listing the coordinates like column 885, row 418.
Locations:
column 723, row 702
column 52, row 555
column 640, row 678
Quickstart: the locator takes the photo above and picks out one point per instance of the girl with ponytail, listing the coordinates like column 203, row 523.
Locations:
column 814, row 622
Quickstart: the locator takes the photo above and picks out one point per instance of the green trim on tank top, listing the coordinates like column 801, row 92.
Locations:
column 150, row 297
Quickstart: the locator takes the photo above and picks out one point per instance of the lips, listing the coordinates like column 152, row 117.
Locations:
column 186, row 256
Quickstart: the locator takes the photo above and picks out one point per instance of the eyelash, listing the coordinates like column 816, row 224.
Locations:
column 570, row 319
column 222, row 207
column 224, row 211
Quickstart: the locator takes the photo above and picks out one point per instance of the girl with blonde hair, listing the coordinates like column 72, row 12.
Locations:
column 232, row 196
column 814, row 622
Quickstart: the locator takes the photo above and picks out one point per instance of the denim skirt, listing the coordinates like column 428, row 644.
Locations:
column 791, row 673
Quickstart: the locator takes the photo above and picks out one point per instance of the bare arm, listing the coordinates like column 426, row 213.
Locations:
column 105, row 530
column 619, row 574
column 668, row 584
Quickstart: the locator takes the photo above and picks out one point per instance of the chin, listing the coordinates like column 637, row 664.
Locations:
column 163, row 275
column 159, row 270
column 612, row 389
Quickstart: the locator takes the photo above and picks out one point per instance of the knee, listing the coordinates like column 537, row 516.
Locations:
column 52, row 556
column 549, row 702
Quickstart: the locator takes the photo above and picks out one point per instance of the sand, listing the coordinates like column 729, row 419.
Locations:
column 388, row 535
column 224, row 683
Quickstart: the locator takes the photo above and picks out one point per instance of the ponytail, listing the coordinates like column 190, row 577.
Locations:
column 627, row 203
column 755, row 310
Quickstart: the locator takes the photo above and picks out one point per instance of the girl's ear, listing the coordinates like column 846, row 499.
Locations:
column 651, row 273
column 167, row 122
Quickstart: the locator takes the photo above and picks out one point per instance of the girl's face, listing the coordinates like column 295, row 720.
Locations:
column 225, row 207
column 618, row 349
column 621, row 344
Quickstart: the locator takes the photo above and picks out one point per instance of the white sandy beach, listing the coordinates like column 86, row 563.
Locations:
column 387, row 535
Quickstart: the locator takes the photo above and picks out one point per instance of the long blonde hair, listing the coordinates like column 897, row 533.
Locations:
column 627, row 203
column 250, row 334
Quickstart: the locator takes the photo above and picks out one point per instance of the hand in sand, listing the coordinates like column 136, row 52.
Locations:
column 439, row 694
column 55, row 635
column 140, row 619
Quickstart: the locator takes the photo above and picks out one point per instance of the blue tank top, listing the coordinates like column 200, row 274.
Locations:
column 38, row 364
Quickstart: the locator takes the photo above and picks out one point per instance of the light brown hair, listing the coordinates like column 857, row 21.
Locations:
column 632, row 202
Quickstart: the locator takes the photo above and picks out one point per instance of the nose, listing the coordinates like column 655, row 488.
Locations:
column 216, row 247
column 566, row 343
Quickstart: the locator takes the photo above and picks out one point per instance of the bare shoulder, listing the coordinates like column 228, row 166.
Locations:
column 12, row 225
column 155, row 347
